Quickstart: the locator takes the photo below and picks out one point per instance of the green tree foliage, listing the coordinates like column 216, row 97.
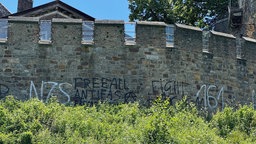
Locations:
column 36, row 122
column 181, row 11
column 153, row 10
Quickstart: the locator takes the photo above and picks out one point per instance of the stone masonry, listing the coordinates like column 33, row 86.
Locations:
column 206, row 69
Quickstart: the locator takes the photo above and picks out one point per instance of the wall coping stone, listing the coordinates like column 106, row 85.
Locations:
column 109, row 22
column 153, row 23
column 223, row 34
column 3, row 40
column 63, row 20
column 45, row 42
column 249, row 39
column 188, row 27
column 23, row 19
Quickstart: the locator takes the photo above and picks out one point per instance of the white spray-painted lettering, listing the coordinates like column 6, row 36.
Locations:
column 53, row 87
column 54, row 84
column 207, row 97
column 32, row 87
column 65, row 93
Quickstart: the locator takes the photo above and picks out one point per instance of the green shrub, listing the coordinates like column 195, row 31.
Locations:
column 224, row 121
column 36, row 122
column 26, row 138
column 246, row 119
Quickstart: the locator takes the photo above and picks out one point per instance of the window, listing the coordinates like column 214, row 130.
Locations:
column 88, row 32
column 45, row 31
column 130, row 34
column 169, row 35
column 3, row 29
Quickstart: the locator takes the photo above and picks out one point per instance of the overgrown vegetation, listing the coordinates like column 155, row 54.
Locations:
column 36, row 122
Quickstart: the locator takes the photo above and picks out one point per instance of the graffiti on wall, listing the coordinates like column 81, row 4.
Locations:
column 207, row 96
column 168, row 89
column 84, row 90
column 47, row 91
column 4, row 90
column 116, row 90
column 207, row 100
column 100, row 89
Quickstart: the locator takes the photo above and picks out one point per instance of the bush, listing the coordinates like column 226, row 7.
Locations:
column 236, row 125
column 36, row 122
column 26, row 138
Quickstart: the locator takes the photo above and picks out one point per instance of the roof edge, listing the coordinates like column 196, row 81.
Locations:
column 56, row 2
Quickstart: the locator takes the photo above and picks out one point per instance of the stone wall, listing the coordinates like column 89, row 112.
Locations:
column 206, row 69
column 249, row 11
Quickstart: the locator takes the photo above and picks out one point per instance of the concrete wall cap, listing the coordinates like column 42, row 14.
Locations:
column 109, row 22
column 61, row 20
column 23, row 19
column 153, row 23
column 249, row 39
column 188, row 27
column 223, row 34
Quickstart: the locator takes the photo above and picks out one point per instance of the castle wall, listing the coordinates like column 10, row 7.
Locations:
column 205, row 69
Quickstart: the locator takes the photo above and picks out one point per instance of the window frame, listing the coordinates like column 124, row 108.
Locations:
column 45, row 33
column 88, row 32
column 169, row 30
column 130, row 33
column 3, row 28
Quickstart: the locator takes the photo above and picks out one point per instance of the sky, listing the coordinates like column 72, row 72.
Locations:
column 99, row 9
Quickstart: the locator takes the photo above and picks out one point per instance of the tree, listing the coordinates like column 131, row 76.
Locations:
column 152, row 10
column 181, row 11
column 187, row 11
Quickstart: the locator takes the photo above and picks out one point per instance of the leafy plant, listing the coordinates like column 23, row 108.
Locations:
column 36, row 122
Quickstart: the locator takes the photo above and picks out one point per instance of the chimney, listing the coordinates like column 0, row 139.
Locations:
column 24, row 5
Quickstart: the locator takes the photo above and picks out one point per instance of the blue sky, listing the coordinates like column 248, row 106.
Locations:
column 99, row 9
